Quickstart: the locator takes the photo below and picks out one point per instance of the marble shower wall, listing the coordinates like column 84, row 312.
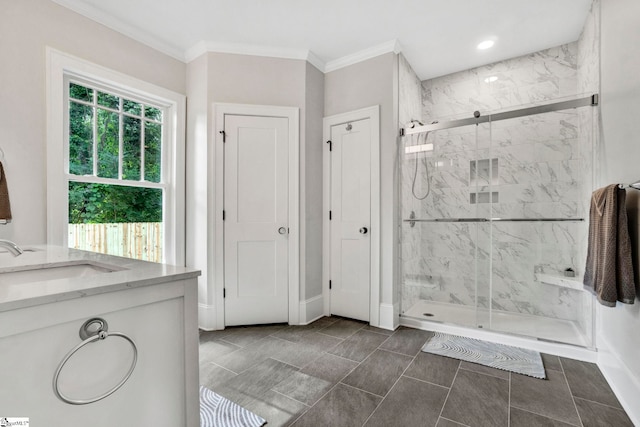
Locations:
column 544, row 170
column 409, row 108
column 535, row 78
column 409, row 93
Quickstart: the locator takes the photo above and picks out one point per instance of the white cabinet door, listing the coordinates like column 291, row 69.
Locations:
column 163, row 388
column 350, row 219
column 256, row 198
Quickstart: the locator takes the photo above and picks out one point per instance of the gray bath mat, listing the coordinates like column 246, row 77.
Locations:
column 216, row 411
column 507, row 358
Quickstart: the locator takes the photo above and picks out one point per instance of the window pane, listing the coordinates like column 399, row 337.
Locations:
column 103, row 203
column 80, row 139
column 116, row 220
column 132, row 107
column 153, row 113
column 131, row 135
column 108, row 144
column 108, row 100
column 80, row 92
column 152, row 151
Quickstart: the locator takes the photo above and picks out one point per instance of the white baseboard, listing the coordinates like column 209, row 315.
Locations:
column 388, row 320
column 311, row 309
column 623, row 382
column 206, row 317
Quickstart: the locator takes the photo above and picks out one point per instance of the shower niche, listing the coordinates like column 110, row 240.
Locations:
column 488, row 246
column 483, row 174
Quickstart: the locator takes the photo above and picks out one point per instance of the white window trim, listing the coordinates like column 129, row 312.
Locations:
column 59, row 66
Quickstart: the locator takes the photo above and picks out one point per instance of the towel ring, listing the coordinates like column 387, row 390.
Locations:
column 93, row 330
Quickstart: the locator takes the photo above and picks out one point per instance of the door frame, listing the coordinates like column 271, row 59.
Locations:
column 372, row 113
column 293, row 115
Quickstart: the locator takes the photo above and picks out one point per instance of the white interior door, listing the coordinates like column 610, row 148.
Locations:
column 351, row 219
column 256, row 219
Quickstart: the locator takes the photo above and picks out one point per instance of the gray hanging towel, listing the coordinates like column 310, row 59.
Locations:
column 609, row 270
column 5, row 206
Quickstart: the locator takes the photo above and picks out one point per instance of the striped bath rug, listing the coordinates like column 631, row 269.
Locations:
column 216, row 411
column 507, row 358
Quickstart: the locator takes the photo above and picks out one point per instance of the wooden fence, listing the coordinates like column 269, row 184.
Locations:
column 139, row 240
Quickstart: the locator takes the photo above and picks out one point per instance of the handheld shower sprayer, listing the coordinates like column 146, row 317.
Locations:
column 426, row 163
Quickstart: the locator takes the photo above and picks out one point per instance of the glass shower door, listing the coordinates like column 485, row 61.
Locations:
column 483, row 178
column 495, row 229
column 445, row 243
column 539, row 230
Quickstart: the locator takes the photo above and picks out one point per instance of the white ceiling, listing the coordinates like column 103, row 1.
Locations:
column 437, row 37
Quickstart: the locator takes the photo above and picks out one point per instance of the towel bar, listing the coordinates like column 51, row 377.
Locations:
column 93, row 330
column 634, row 185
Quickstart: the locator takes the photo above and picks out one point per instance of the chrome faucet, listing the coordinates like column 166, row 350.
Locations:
column 11, row 247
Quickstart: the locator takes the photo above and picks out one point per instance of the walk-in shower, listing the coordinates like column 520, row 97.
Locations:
column 499, row 240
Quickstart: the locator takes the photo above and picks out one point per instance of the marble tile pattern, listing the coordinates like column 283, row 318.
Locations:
column 409, row 93
column 409, row 108
column 545, row 170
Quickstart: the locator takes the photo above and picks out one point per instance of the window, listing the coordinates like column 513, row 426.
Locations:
column 117, row 185
column 115, row 169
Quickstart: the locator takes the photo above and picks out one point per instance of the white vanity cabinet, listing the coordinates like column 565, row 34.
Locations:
column 156, row 308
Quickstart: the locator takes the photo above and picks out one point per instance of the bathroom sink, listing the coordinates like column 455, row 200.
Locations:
column 41, row 273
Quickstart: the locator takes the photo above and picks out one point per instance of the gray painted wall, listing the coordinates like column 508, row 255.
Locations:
column 368, row 83
column 311, row 185
column 198, row 176
column 244, row 79
column 620, row 158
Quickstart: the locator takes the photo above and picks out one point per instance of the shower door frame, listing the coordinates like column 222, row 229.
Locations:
column 529, row 111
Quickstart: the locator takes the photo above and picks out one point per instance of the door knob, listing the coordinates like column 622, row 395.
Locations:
column 364, row 230
column 282, row 230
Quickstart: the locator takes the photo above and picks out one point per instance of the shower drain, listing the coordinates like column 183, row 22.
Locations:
column 428, row 314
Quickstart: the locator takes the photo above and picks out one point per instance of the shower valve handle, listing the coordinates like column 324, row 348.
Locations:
column 364, row 230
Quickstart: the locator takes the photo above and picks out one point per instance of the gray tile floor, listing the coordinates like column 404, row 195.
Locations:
column 339, row 372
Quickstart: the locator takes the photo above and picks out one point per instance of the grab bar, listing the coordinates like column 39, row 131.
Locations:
column 93, row 330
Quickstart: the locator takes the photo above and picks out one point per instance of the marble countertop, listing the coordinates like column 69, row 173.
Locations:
column 104, row 274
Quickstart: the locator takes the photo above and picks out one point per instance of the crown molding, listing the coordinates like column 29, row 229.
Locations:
column 315, row 60
column 363, row 55
column 130, row 31
column 291, row 53
column 95, row 14
column 253, row 50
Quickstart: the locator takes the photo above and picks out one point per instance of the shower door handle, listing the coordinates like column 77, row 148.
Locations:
column 364, row 230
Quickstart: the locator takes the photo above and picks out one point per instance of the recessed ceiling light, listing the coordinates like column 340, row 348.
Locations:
column 486, row 44
column 491, row 79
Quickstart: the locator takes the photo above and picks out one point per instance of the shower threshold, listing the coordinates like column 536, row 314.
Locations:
column 557, row 330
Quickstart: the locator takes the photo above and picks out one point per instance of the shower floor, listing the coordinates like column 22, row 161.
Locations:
column 558, row 330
